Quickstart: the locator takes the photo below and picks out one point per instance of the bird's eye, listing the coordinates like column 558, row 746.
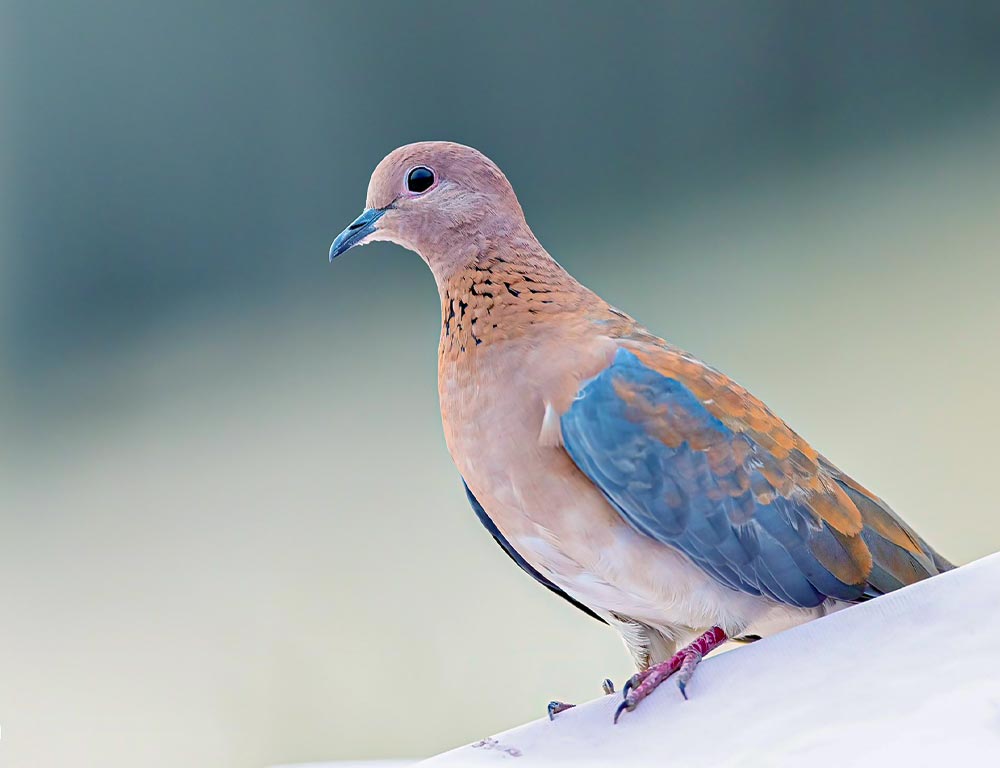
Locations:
column 419, row 179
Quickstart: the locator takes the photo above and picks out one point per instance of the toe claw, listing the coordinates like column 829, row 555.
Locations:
column 631, row 683
column 682, row 687
column 626, row 705
column 555, row 707
column 608, row 686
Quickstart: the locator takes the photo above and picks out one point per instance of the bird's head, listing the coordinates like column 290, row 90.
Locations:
column 443, row 200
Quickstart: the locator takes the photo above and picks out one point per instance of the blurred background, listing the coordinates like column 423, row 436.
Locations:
column 230, row 533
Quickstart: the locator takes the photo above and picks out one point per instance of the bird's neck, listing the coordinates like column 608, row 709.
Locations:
column 503, row 295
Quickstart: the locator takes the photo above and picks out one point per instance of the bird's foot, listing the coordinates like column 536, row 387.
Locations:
column 555, row 707
column 682, row 665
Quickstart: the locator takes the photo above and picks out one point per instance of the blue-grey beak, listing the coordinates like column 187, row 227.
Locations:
column 358, row 229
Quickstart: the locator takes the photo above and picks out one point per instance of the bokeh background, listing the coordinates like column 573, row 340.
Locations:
column 230, row 533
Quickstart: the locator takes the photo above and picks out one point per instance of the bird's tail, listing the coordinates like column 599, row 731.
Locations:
column 942, row 564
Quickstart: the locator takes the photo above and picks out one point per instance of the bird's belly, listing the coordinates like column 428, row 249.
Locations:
column 584, row 547
column 558, row 521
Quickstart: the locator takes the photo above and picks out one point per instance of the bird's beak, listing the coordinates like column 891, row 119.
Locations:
column 357, row 231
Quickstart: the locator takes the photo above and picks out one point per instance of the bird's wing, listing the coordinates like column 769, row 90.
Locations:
column 512, row 553
column 693, row 460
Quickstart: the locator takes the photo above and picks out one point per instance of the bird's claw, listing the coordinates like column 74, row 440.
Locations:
column 686, row 671
column 627, row 705
column 631, row 683
column 680, row 666
column 555, row 707
column 629, row 699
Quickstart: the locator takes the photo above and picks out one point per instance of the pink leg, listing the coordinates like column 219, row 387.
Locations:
column 682, row 663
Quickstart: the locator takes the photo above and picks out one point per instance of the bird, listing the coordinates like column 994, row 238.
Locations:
column 622, row 473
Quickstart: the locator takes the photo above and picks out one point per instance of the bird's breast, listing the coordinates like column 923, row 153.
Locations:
column 495, row 401
column 494, row 409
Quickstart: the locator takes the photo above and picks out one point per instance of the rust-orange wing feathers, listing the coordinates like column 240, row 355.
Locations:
column 692, row 459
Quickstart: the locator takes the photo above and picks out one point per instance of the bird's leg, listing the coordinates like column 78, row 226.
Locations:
column 555, row 707
column 682, row 663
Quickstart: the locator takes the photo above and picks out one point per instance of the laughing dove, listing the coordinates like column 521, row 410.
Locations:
column 624, row 474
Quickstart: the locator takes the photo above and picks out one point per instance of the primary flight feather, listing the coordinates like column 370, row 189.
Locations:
column 621, row 472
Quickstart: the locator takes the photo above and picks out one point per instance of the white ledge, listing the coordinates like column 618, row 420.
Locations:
column 912, row 678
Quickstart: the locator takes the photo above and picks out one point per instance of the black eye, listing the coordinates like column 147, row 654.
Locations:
column 419, row 179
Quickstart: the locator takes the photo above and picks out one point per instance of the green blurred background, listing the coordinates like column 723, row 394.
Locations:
column 230, row 533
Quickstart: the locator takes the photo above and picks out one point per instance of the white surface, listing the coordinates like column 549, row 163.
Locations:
column 912, row 678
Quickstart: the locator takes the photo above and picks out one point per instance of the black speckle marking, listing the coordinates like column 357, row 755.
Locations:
column 450, row 317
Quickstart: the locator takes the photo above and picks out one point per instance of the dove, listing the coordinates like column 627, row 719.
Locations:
column 622, row 473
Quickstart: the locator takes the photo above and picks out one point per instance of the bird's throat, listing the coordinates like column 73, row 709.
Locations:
column 496, row 301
